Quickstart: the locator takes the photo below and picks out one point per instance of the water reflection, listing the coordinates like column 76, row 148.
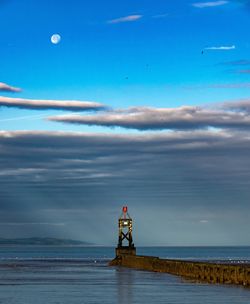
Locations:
column 125, row 283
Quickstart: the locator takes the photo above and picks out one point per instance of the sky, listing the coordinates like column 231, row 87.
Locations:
column 138, row 103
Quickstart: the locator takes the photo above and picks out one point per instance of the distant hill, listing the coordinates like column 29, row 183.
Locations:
column 41, row 241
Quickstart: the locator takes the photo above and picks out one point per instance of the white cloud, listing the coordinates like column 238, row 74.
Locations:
column 221, row 48
column 209, row 4
column 8, row 88
column 181, row 118
column 73, row 105
column 129, row 18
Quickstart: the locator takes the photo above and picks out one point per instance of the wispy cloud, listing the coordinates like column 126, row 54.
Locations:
column 242, row 85
column 209, row 4
column 7, row 88
column 243, row 71
column 129, row 18
column 27, row 117
column 221, row 48
column 39, row 104
column 236, row 62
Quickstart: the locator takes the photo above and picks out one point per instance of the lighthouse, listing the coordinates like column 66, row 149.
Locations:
column 125, row 239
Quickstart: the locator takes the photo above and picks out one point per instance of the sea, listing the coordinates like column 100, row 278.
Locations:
column 79, row 275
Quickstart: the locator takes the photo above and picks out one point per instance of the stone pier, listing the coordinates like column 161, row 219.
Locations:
column 201, row 271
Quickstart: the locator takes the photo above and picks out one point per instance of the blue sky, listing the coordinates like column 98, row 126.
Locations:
column 144, row 62
column 174, row 80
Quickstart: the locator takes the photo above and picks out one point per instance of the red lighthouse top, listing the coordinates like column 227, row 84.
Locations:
column 124, row 209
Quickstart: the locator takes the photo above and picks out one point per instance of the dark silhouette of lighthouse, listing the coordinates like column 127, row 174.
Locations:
column 125, row 239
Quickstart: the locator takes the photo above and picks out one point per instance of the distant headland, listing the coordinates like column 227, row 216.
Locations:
column 43, row 241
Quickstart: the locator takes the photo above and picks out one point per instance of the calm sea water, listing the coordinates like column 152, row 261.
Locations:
column 32, row 274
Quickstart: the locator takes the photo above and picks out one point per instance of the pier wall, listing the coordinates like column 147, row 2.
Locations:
column 201, row 271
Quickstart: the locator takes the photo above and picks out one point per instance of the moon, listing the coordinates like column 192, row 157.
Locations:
column 55, row 38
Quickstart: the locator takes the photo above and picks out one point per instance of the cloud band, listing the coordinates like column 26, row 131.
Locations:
column 38, row 104
column 182, row 118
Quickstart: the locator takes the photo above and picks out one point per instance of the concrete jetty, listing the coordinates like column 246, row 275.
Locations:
column 200, row 271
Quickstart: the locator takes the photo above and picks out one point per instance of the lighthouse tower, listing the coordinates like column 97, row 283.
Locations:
column 125, row 239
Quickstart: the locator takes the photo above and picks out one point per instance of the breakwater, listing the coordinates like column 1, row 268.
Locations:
column 200, row 271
